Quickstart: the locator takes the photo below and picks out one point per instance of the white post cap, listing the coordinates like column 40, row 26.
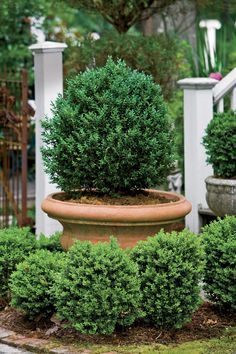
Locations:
column 197, row 83
column 210, row 24
column 48, row 47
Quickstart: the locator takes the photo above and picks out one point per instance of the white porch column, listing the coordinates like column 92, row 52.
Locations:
column 198, row 111
column 210, row 39
column 48, row 84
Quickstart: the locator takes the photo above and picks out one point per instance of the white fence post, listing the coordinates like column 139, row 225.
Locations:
column 198, row 111
column 48, row 84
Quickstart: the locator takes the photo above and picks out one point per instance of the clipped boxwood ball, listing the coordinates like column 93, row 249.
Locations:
column 98, row 288
column 31, row 283
column 219, row 239
column 51, row 243
column 15, row 245
column 170, row 268
column 108, row 132
column 220, row 144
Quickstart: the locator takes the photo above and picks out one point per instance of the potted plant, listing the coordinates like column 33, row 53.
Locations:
column 220, row 145
column 108, row 142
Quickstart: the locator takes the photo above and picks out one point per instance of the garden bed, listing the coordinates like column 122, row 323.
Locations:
column 208, row 322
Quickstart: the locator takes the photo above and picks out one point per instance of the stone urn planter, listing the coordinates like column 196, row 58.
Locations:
column 221, row 195
column 220, row 144
column 128, row 223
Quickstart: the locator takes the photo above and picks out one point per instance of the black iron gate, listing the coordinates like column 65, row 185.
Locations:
column 15, row 115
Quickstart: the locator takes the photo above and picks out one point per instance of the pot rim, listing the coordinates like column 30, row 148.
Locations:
column 141, row 213
column 220, row 181
column 169, row 195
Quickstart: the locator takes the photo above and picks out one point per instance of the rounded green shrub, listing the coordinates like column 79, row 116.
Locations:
column 51, row 243
column 220, row 144
column 109, row 132
column 170, row 268
column 15, row 245
column 219, row 240
column 31, row 283
column 98, row 288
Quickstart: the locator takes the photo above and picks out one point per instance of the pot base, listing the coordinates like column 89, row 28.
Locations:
column 127, row 236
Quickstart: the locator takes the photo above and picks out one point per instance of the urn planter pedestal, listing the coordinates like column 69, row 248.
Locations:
column 128, row 223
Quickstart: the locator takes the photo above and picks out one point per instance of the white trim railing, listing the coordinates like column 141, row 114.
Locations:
column 225, row 86
column 200, row 96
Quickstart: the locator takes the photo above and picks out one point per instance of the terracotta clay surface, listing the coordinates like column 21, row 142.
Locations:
column 128, row 223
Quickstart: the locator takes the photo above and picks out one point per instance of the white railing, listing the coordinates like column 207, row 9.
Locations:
column 200, row 96
column 226, row 86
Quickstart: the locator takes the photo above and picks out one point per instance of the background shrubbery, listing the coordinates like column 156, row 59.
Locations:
column 170, row 268
column 163, row 57
column 220, row 272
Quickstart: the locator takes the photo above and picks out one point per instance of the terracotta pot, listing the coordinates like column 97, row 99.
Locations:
column 128, row 223
column 221, row 195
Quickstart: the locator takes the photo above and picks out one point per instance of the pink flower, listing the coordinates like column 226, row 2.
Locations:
column 216, row 76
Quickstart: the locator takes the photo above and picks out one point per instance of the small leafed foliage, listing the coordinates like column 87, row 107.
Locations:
column 51, row 243
column 31, row 283
column 110, row 132
column 170, row 268
column 220, row 272
column 15, row 245
column 98, row 288
column 220, row 144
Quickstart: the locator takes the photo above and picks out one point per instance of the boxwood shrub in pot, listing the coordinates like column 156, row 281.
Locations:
column 220, row 145
column 109, row 135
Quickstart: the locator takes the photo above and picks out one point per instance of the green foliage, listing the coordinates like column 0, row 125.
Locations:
column 220, row 272
column 170, row 267
column 220, row 144
column 121, row 14
column 98, row 288
column 162, row 57
column 15, row 245
column 201, row 61
column 60, row 23
column 225, row 12
column 31, row 283
column 231, row 51
column 15, row 36
column 175, row 111
column 51, row 243
column 66, row 24
column 110, row 131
